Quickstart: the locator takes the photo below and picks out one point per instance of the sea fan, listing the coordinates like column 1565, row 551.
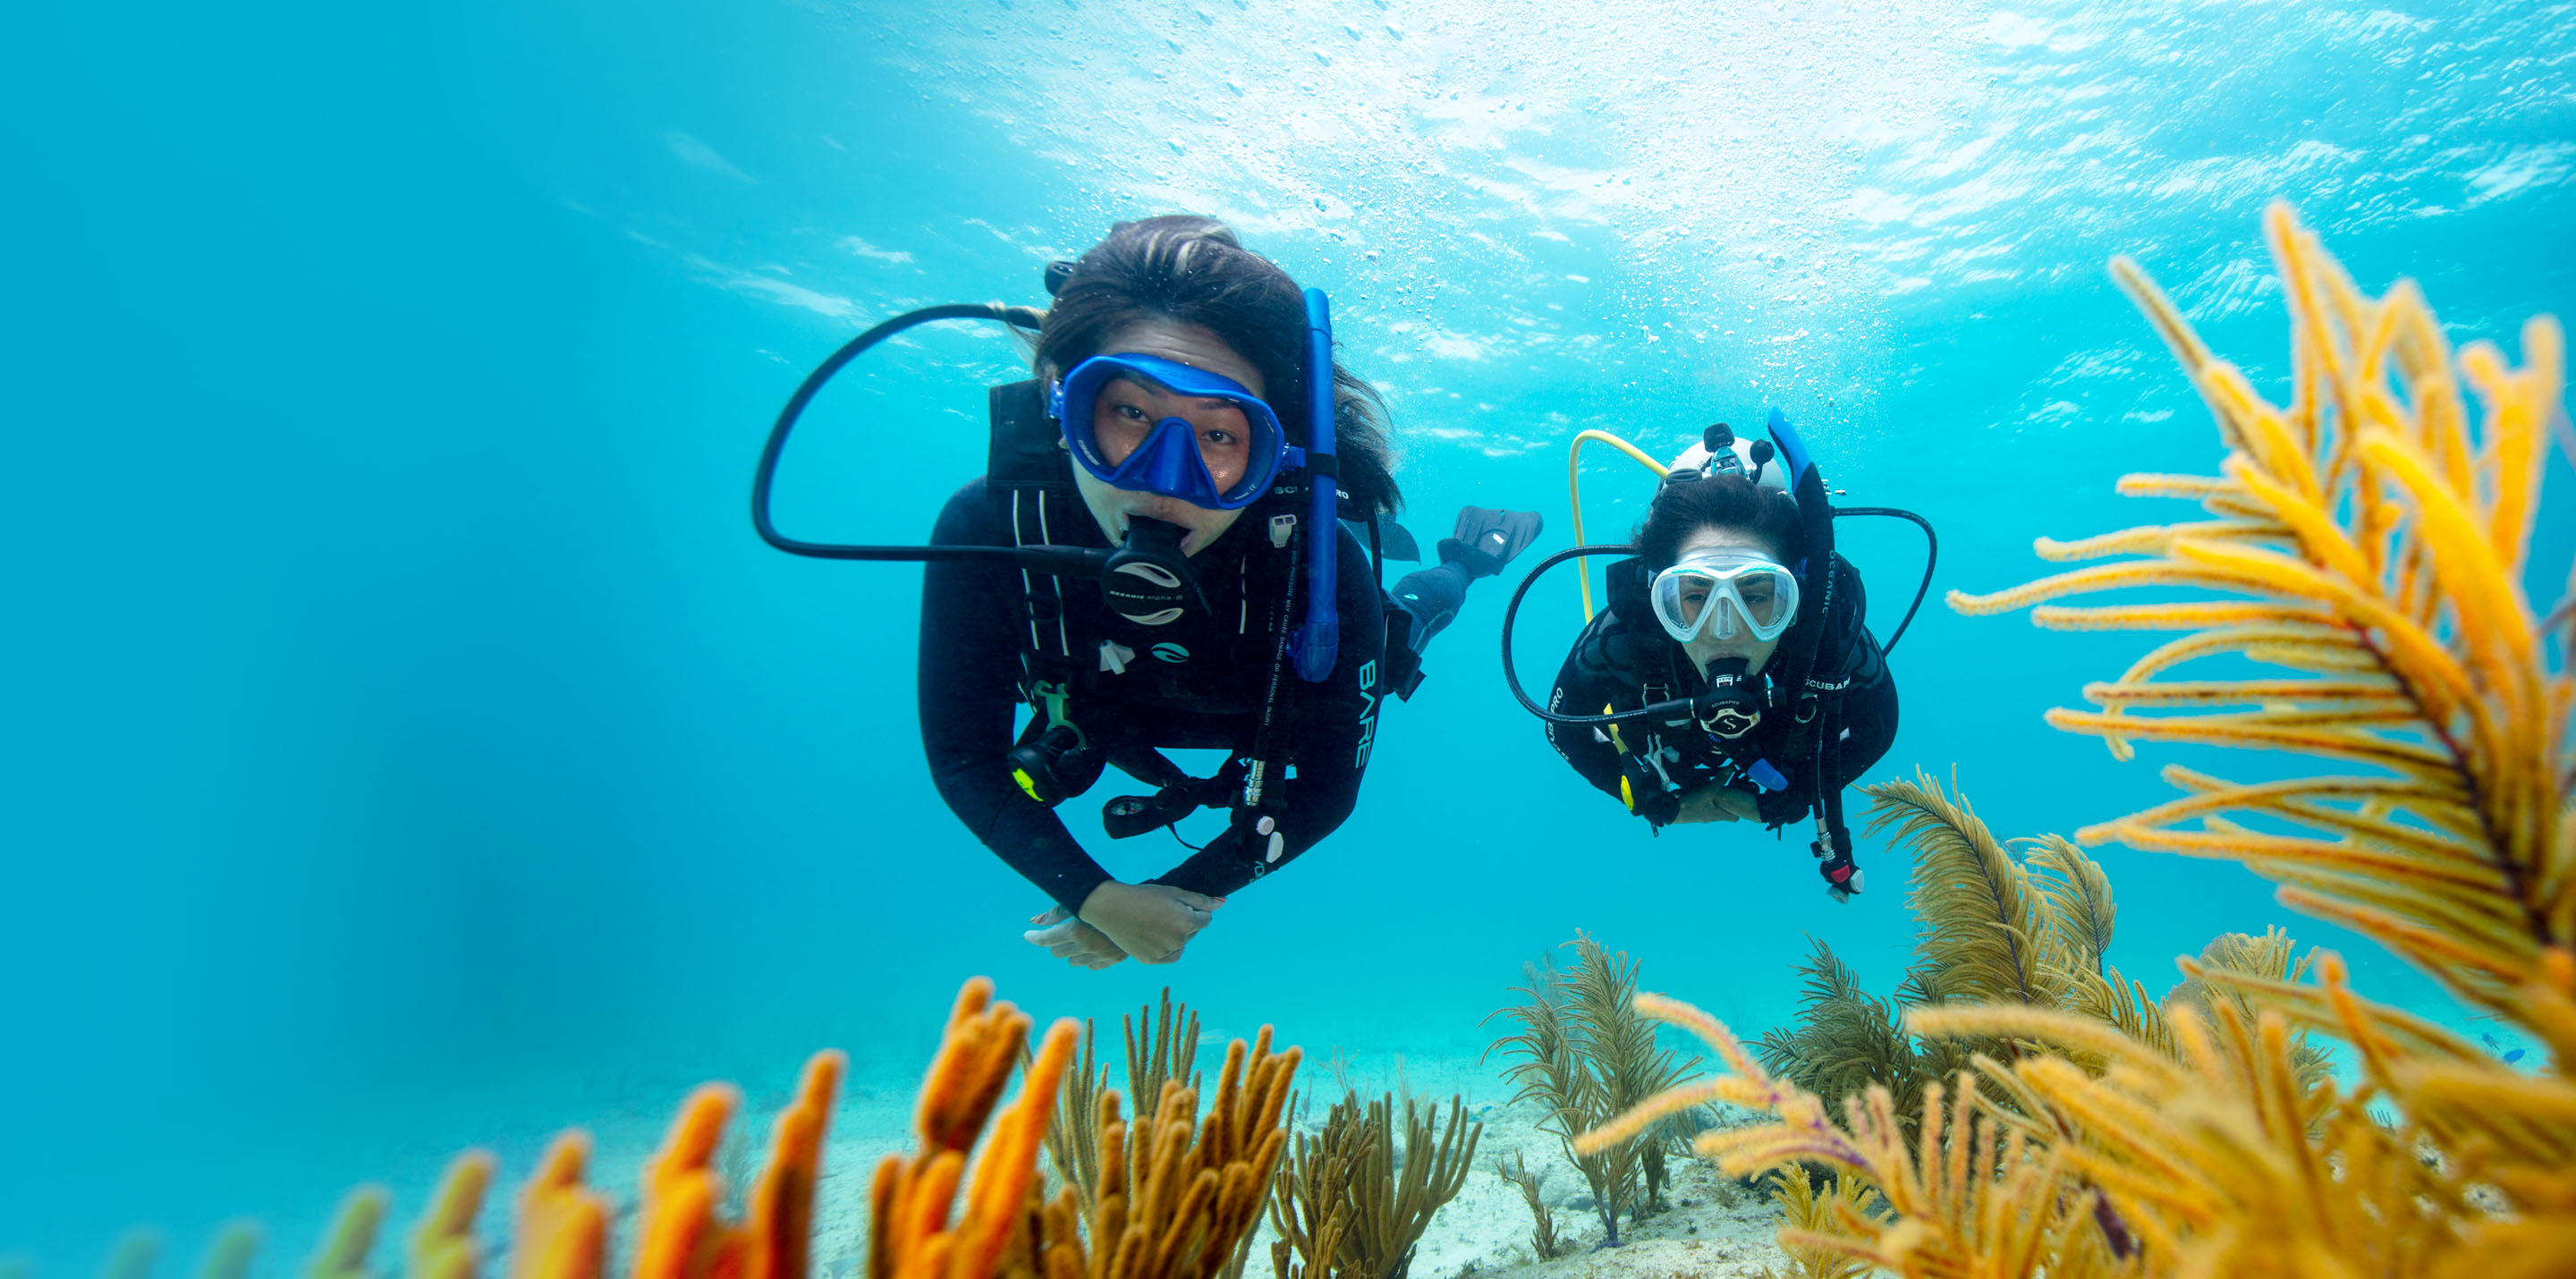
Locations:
column 1585, row 1055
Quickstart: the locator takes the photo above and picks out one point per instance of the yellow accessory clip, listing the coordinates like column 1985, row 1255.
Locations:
column 1626, row 795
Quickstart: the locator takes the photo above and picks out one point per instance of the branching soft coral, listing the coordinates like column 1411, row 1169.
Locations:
column 2375, row 539
column 1992, row 927
column 1584, row 1055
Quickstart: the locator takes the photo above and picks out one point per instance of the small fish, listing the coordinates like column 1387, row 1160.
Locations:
column 2512, row 1057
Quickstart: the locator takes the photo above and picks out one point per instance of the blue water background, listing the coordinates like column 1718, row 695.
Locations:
column 409, row 745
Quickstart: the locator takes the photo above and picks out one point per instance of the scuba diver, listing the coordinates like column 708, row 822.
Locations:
column 1731, row 677
column 1177, row 544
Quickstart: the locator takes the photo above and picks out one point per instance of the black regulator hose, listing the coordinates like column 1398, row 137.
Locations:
column 1931, row 556
column 1066, row 560
column 1676, row 709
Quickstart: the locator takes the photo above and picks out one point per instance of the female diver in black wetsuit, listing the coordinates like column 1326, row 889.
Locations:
column 1171, row 359
column 1717, row 543
column 1731, row 677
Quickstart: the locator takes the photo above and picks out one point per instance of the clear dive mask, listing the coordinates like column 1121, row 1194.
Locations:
column 1724, row 590
column 1175, row 458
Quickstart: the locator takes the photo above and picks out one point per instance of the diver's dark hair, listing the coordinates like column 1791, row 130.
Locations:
column 1192, row 270
column 1730, row 501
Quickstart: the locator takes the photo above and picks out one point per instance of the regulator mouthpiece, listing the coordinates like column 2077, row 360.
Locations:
column 1732, row 706
column 1148, row 579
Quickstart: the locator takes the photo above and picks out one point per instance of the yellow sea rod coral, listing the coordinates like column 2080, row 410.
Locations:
column 2375, row 536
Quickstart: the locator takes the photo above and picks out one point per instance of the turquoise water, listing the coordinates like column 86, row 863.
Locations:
column 409, row 745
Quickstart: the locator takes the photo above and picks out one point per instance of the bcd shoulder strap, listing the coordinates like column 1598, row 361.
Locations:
column 1028, row 485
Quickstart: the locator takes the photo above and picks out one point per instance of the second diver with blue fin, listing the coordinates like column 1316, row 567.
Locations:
column 1176, row 545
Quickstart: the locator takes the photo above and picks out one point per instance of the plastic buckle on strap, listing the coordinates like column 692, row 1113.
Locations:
column 1052, row 696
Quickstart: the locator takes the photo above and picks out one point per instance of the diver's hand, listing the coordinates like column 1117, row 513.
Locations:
column 1072, row 940
column 1150, row 921
column 1716, row 803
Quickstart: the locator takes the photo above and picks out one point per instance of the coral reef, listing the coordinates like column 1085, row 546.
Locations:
column 1351, row 1202
column 1174, row 1208
column 2381, row 541
column 1586, row 1056
column 1179, row 1208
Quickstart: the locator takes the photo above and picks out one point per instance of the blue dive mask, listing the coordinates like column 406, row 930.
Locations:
column 1174, row 459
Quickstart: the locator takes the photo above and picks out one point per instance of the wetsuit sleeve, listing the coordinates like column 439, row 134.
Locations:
column 1584, row 686
column 970, row 661
column 1336, row 729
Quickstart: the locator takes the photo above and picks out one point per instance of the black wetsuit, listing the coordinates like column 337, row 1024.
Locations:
column 972, row 631
column 1616, row 660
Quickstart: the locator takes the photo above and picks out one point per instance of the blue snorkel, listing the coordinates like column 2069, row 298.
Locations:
column 1319, row 641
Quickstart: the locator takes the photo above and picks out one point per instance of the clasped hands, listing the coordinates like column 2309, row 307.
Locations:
column 1149, row 921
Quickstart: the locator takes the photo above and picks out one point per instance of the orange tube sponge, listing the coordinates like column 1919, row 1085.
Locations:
column 681, row 1238
column 910, row 1236
column 781, row 1226
column 442, row 1245
column 563, row 1225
